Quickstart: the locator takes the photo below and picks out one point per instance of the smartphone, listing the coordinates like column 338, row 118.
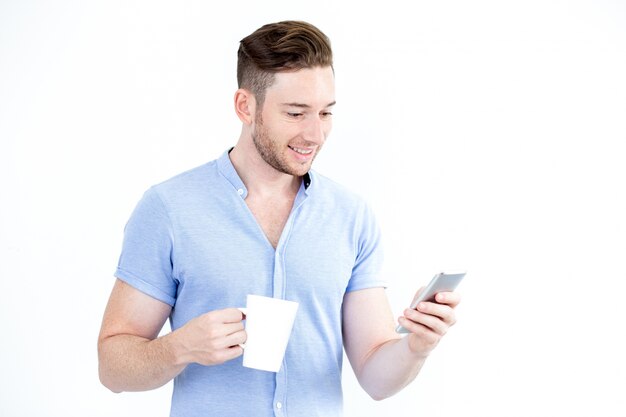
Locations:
column 441, row 282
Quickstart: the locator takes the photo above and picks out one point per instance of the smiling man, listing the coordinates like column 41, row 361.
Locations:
column 260, row 220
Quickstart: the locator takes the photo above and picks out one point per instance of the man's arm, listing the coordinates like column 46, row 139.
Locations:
column 383, row 361
column 132, row 358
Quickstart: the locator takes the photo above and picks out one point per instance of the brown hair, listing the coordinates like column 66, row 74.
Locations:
column 289, row 45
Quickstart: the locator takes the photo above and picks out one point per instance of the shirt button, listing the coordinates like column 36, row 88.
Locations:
column 240, row 191
column 279, row 405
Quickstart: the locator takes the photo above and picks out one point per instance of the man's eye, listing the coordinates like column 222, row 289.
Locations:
column 294, row 114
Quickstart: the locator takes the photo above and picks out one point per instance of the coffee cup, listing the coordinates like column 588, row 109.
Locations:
column 268, row 326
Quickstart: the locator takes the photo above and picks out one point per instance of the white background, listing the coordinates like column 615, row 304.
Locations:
column 488, row 135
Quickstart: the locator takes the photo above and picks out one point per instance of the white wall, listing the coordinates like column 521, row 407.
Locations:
column 488, row 135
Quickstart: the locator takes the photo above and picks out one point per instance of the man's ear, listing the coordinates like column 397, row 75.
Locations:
column 245, row 104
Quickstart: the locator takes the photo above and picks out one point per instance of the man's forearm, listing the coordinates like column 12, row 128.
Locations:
column 133, row 363
column 389, row 369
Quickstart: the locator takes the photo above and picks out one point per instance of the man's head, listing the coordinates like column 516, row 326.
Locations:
column 279, row 47
column 286, row 94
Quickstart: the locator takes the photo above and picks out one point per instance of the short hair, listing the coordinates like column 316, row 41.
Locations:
column 289, row 45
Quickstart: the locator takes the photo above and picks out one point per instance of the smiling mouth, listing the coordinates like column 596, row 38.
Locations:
column 301, row 151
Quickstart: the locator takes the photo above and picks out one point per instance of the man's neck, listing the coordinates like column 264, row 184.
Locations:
column 260, row 178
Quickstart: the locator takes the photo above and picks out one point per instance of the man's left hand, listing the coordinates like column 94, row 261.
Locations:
column 429, row 322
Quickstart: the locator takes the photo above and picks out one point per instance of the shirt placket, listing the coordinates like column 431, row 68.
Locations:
column 279, row 283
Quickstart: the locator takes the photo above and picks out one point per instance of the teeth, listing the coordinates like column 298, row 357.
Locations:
column 302, row 151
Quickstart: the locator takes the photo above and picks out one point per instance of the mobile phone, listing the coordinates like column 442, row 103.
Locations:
column 441, row 282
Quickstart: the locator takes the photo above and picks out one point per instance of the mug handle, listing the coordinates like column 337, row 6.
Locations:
column 244, row 310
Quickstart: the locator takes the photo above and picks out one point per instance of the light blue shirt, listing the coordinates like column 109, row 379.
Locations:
column 192, row 243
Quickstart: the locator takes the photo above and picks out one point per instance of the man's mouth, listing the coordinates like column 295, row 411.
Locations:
column 301, row 151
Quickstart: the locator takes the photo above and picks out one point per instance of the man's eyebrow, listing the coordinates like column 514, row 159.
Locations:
column 305, row 106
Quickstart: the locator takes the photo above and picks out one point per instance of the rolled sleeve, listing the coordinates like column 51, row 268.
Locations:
column 366, row 272
column 146, row 260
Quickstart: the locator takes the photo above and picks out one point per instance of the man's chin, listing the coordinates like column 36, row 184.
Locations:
column 295, row 168
column 301, row 169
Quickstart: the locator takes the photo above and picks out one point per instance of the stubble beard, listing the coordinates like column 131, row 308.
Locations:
column 272, row 154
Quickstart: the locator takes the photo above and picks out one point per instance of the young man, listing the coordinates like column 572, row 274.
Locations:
column 258, row 220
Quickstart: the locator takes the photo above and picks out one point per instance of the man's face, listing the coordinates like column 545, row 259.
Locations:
column 295, row 119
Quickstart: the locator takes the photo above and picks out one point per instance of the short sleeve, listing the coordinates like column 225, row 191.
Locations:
column 146, row 259
column 367, row 269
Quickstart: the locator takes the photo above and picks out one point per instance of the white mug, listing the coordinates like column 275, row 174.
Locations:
column 268, row 326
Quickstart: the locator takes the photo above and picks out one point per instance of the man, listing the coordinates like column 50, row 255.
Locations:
column 258, row 220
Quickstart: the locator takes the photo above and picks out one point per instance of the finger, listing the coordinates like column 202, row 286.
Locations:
column 224, row 355
column 425, row 333
column 227, row 341
column 215, row 330
column 220, row 331
column 442, row 311
column 218, row 317
column 451, row 299
column 235, row 339
column 234, row 352
column 434, row 323
column 230, row 315
column 231, row 328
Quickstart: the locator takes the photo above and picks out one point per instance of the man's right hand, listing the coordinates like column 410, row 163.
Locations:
column 210, row 339
column 133, row 358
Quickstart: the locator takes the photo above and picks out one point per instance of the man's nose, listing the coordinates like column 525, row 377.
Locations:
column 317, row 130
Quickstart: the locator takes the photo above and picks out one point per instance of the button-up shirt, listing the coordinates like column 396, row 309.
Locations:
column 193, row 243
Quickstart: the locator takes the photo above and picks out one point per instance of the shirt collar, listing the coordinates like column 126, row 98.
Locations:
column 227, row 169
